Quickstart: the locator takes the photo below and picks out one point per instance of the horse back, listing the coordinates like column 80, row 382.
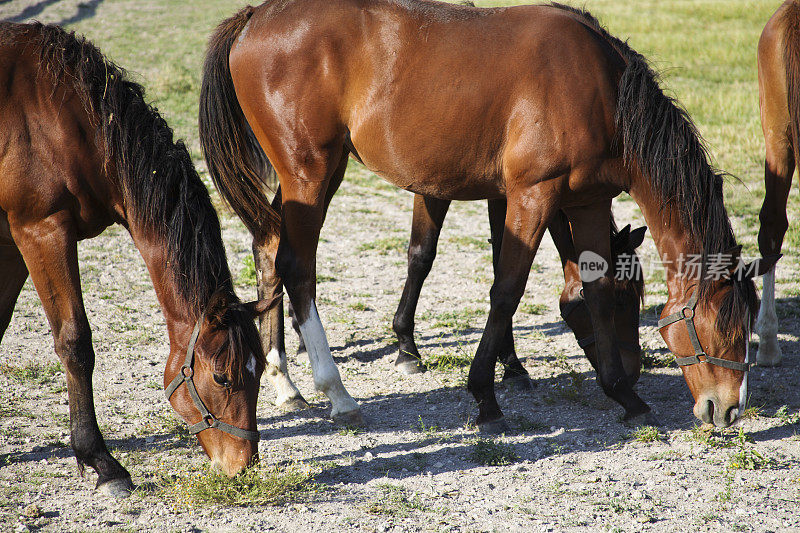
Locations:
column 427, row 93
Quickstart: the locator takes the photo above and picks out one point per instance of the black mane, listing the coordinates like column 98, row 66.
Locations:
column 657, row 135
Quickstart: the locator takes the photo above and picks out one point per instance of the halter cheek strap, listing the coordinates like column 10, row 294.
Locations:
column 686, row 314
column 208, row 420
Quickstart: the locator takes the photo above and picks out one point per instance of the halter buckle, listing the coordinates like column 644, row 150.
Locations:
column 687, row 312
column 187, row 371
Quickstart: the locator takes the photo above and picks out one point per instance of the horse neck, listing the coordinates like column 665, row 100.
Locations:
column 672, row 240
column 178, row 313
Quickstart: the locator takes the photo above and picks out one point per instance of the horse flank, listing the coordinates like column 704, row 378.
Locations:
column 658, row 136
column 162, row 191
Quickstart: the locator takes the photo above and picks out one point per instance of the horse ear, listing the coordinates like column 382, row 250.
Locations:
column 619, row 242
column 637, row 237
column 259, row 307
column 759, row 267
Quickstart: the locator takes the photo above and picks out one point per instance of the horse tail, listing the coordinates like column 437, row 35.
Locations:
column 791, row 60
column 238, row 166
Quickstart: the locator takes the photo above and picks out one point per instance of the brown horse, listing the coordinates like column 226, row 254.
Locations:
column 81, row 150
column 535, row 104
column 429, row 214
column 779, row 100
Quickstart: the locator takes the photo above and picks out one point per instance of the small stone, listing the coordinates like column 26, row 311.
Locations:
column 368, row 456
column 32, row 511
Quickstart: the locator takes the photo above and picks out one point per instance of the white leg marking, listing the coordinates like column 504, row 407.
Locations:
column 278, row 375
column 326, row 375
column 769, row 351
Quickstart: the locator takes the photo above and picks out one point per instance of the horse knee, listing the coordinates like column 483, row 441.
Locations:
column 73, row 345
column 774, row 224
column 420, row 259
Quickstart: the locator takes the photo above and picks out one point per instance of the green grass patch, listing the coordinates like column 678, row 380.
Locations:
column 448, row 360
column 533, row 309
column 646, row 434
column 248, row 274
column 493, row 453
column 746, row 457
column 396, row 501
column 359, row 306
column 32, row 372
column 458, row 320
column 256, row 486
column 656, row 359
column 385, row 246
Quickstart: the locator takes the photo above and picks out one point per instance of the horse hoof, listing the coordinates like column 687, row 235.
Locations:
column 519, row 383
column 410, row 367
column 642, row 419
column 294, row 404
column 350, row 419
column 769, row 354
column 301, row 349
column 117, row 488
column 496, row 427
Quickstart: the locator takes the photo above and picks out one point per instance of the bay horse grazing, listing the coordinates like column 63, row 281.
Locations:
column 779, row 101
column 81, row 150
column 435, row 99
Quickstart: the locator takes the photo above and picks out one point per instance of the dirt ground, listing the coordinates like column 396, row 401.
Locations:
column 571, row 464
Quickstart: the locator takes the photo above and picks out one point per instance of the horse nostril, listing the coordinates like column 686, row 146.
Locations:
column 732, row 415
column 710, row 411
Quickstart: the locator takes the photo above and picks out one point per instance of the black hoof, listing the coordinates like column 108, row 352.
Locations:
column 413, row 366
column 117, row 488
column 496, row 427
column 301, row 349
column 519, row 383
column 642, row 419
column 350, row 419
column 294, row 404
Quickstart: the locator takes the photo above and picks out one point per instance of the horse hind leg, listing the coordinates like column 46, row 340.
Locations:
column 271, row 324
column 515, row 377
column 429, row 215
column 50, row 251
column 14, row 275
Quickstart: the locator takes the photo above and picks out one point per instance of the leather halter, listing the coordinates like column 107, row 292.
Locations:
column 585, row 342
column 208, row 420
column 686, row 314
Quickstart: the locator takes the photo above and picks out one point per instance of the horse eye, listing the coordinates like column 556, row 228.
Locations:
column 222, row 379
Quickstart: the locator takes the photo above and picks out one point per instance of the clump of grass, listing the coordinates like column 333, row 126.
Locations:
column 533, row 309
column 458, row 320
column 655, row 359
column 259, row 485
column 467, row 241
column 746, row 457
column 491, row 453
column 385, row 246
column 706, row 436
column 248, row 274
column 32, row 372
column 646, row 434
column 322, row 278
column 396, row 501
column 782, row 414
column 359, row 306
column 449, row 360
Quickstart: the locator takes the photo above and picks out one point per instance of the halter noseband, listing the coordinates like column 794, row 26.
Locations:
column 208, row 420
column 585, row 342
column 686, row 314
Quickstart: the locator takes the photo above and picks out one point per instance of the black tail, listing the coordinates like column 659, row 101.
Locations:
column 236, row 162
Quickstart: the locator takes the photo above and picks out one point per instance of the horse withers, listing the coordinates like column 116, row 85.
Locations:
column 81, row 150
column 539, row 105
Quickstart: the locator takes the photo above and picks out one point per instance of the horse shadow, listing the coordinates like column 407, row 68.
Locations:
column 85, row 10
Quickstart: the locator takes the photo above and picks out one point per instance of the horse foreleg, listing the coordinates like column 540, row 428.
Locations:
column 271, row 324
column 50, row 252
column 515, row 376
column 590, row 233
column 429, row 214
column 525, row 223
column 14, row 275
column 304, row 205
column 779, row 168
